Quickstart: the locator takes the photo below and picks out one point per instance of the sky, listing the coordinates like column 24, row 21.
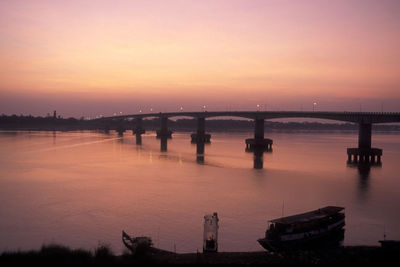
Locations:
column 98, row 57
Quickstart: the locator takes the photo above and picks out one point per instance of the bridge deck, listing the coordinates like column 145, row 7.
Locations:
column 356, row 117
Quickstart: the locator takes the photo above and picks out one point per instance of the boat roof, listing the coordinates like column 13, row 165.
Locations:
column 308, row 216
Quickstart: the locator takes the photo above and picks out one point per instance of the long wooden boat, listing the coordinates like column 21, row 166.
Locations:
column 311, row 228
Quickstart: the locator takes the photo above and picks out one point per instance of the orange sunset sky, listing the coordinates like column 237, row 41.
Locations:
column 85, row 58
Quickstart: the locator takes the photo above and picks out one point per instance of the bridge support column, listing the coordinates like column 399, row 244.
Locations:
column 200, row 152
column 106, row 129
column 201, row 130
column 259, row 129
column 259, row 141
column 200, row 138
column 258, row 159
column 258, row 144
column 164, row 129
column 364, row 135
column 138, row 130
column 201, row 134
column 364, row 154
column 120, row 130
column 164, row 134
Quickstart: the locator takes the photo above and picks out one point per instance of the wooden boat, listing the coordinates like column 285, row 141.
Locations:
column 133, row 244
column 315, row 227
column 210, row 235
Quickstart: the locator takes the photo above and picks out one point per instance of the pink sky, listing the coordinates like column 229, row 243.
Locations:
column 85, row 58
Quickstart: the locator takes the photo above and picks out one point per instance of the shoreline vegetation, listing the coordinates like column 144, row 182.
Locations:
column 54, row 253
column 57, row 123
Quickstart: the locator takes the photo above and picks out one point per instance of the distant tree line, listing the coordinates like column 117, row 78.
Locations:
column 40, row 123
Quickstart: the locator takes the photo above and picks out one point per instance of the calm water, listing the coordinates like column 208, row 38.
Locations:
column 81, row 189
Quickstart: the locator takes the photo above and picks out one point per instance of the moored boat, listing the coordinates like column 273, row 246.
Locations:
column 317, row 227
column 135, row 243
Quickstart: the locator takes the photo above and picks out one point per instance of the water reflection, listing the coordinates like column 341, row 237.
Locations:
column 258, row 158
column 258, row 152
column 364, row 168
column 54, row 137
column 9, row 133
column 138, row 139
column 164, row 143
column 364, row 173
column 200, row 152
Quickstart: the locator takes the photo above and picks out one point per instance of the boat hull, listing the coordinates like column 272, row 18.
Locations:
column 329, row 238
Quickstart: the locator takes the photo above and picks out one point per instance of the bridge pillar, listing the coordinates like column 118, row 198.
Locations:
column 164, row 134
column 200, row 135
column 138, row 130
column 258, row 158
column 200, row 152
column 364, row 135
column 164, row 143
column 259, row 129
column 201, row 130
column 106, row 129
column 258, row 145
column 259, row 141
column 200, row 138
column 120, row 129
column 364, row 153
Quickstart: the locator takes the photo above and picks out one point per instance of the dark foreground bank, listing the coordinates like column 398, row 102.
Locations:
column 60, row 254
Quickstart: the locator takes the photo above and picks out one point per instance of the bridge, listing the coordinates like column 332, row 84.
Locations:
column 364, row 153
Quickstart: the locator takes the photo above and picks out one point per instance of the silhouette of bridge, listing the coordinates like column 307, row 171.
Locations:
column 364, row 153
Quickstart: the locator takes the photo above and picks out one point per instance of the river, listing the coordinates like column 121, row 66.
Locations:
column 81, row 189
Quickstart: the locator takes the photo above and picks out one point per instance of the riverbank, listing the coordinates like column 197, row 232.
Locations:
column 337, row 255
